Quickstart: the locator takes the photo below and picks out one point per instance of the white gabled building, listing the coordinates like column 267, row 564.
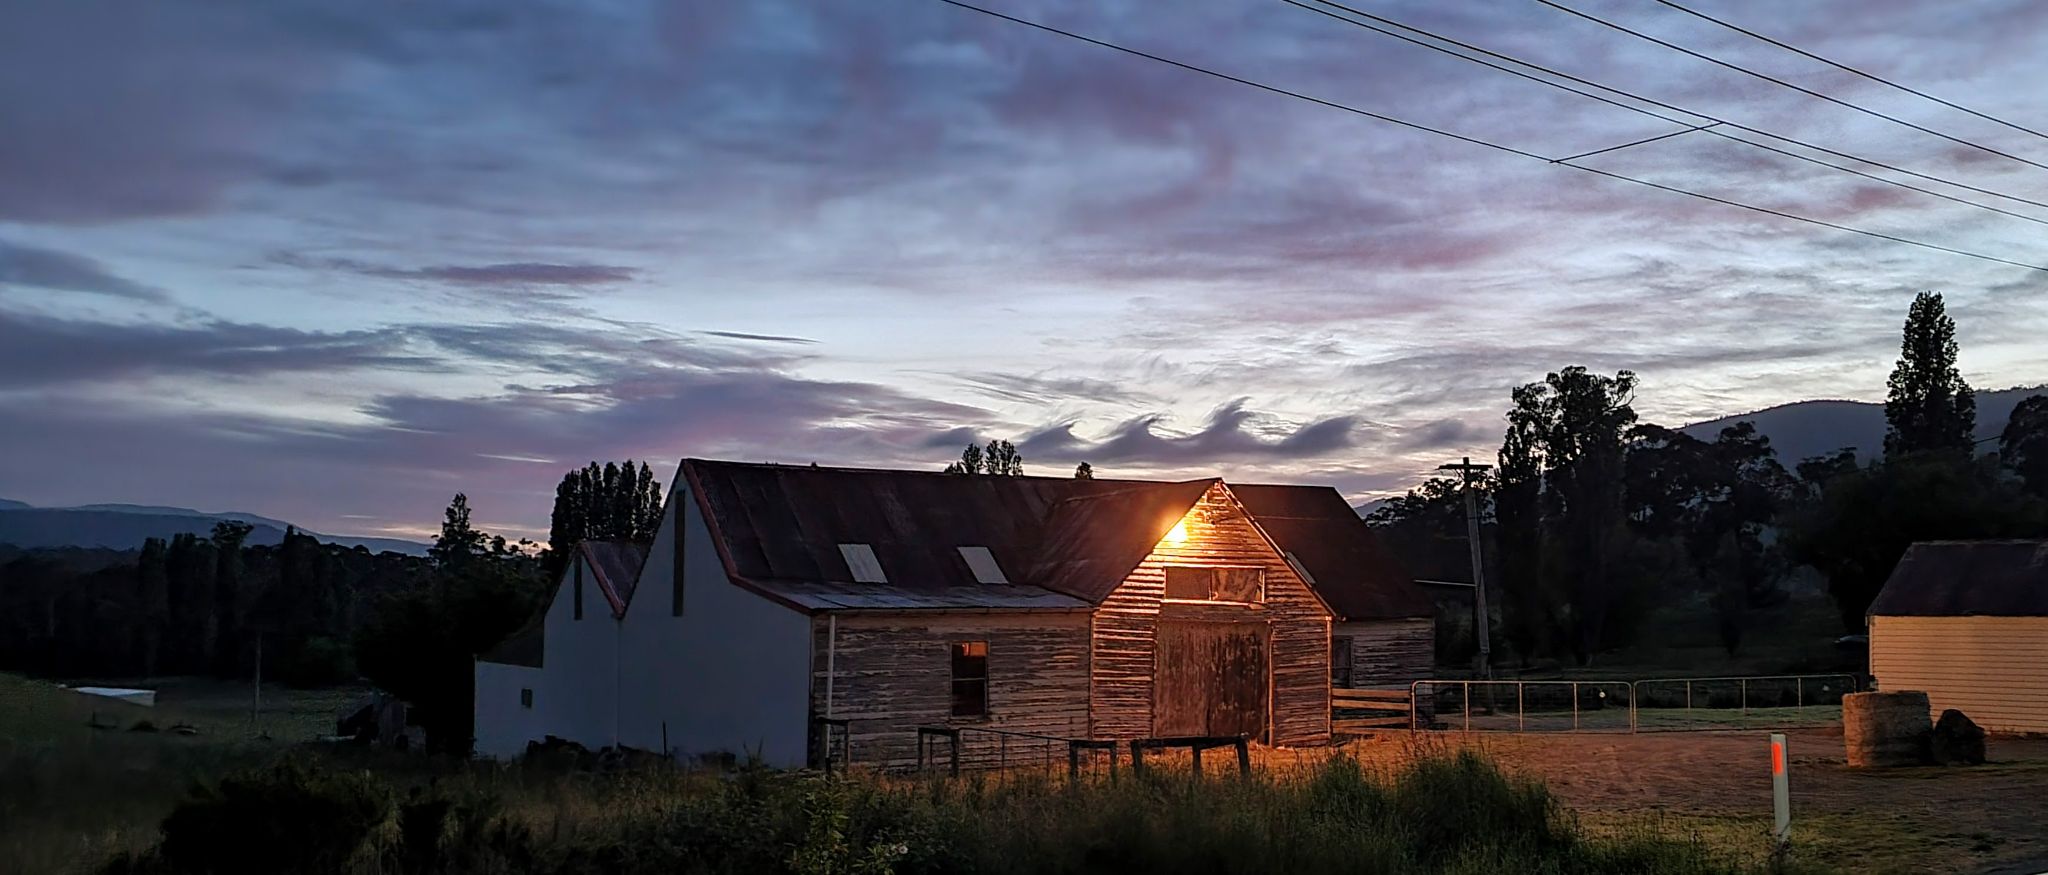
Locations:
column 560, row 675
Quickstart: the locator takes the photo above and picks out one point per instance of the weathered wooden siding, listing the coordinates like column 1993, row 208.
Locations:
column 892, row 673
column 1390, row 653
column 1994, row 669
column 1218, row 534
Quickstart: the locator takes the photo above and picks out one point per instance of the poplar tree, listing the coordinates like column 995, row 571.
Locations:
column 1928, row 407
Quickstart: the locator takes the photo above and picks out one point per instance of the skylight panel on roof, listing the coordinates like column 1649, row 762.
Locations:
column 860, row 559
column 983, row 563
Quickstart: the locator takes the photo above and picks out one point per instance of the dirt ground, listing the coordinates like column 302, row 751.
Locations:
column 1716, row 786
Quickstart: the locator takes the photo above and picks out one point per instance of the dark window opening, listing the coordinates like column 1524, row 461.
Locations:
column 526, row 698
column 1340, row 662
column 1203, row 584
column 675, row 585
column 970, row 679
column 577, row 590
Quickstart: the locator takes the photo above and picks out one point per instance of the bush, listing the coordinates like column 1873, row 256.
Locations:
column 290, row 818
column 318, row 662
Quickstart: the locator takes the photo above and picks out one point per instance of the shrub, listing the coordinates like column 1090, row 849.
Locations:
column 290, row 818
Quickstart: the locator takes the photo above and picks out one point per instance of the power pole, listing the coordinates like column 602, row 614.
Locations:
column 1466, row 469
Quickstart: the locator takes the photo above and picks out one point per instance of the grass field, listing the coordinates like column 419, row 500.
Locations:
column 70, row 791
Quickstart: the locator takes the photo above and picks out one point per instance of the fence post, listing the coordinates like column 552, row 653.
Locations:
column 1002, row 753
column 1799, row 693
column 1745, row 697
column 1073, row 762
column 1575, row 706
column 1244, row 758
column 1468, row 705
column 1521, row 710
column 1137, row 758
column 956, row 753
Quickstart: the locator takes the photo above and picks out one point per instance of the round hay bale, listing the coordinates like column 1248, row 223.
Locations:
column 1886, row 729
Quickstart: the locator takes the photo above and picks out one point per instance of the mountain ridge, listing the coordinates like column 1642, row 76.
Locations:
column 126, row 526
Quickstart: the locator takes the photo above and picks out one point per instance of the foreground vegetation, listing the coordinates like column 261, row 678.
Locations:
column 1452, row 813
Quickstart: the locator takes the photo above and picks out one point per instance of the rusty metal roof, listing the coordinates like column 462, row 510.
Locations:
column 616, row 565
column 1091, row 542
column 1967, row 578
column 1352, row 570
column 1063, row 543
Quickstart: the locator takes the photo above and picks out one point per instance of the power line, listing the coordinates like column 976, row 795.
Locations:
column 1780, row 82
column 1476, row 141
column 1841, row 66
column 1713, row 122
column 1642, row 99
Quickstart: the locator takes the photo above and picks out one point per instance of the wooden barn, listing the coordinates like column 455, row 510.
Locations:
column 782, row 603
column 1967, row 623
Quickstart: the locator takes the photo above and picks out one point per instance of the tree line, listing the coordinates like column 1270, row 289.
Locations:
column 1594, row 516
column 317, row 614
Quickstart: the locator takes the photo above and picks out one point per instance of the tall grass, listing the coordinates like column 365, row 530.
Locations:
column 1445, row 813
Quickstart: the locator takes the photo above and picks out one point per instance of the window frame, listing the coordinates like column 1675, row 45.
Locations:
column 956, row 652
column 1215, row 574
column 526, row 698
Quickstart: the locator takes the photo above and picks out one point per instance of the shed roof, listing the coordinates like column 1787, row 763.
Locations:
column 1967, row 578
column 1353, row 572
column 616, row 567
column 1063, row 543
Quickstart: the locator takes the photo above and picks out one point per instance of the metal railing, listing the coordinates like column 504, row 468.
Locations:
column 1011, row 749
column 1626, row 705
column 1511, row 706
column 1717, row 702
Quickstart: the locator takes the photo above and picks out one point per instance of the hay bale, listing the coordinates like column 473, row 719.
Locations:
column 1886, row 729
column 1958, row 740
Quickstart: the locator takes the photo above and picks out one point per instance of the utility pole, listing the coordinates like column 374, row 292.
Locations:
column 1466, row 470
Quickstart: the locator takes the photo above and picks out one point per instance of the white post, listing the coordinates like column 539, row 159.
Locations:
column 1781, row 790
column 831, row 668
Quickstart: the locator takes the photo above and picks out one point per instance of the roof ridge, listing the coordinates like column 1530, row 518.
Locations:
column 844, row 469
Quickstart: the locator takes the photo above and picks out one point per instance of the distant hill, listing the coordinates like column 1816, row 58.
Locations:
column 126, row 526
column 1805, row 429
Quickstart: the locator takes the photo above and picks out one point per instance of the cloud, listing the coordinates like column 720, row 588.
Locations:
column 1223, row 437
column 67, row 272
column 524, row 273
column 763, row 338
column 43, row 351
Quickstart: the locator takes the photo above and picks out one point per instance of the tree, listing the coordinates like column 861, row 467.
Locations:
column 420, row 643
column 1864, row 519
column 230, row 601
column 153, row 596
column 459, row 541
column 2023, row 446
column 1562, row 472
column 1716, row 500
column 999, row 458
column 613, row 502
column 1928, row 407
column 1084, row 471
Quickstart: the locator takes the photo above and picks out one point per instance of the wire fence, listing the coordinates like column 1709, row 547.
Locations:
column 1645, row 705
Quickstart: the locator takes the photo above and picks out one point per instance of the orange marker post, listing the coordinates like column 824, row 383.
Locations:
column 1781, row 789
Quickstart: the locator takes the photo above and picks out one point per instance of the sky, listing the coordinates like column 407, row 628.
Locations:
column 334, row 263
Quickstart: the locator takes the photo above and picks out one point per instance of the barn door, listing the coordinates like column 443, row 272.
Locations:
column 1209, row 678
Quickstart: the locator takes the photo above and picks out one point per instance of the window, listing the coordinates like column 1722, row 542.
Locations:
column 861, row 561
column 576, row 592
column 970, row 679
column 1340, row 661
column 1188, row 583
column 983, row 564
column 526, row 697
column 675, row 582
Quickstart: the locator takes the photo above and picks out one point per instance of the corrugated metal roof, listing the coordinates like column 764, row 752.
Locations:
column 1345, row 561
column 815, row 596
column 1059, row 540
column 1966, row 578
column 1091, row 542
column 617, row 567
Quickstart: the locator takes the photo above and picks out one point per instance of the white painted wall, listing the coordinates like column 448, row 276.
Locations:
column 576, row 689
column 579, row 692
column 503, row 726
column 730, row 675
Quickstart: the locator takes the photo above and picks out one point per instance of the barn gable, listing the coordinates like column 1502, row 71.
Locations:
column 1258, row 622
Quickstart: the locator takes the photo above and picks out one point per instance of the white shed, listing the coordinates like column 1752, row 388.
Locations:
column 1967, row 622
